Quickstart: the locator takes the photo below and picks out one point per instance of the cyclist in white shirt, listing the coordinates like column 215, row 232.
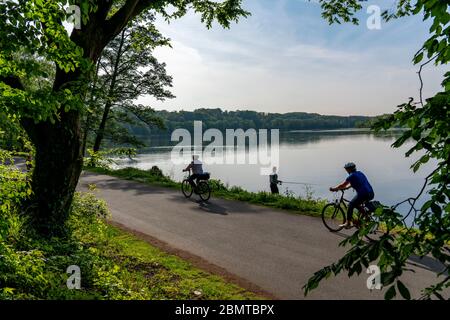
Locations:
column 197, row 170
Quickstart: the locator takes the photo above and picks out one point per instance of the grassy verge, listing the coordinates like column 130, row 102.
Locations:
column 145, row 272
column 154, row 176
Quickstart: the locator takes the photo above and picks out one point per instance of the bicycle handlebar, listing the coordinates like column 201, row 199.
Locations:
column 342, row 190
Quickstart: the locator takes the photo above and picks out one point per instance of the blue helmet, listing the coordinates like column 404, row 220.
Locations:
column 350, row 165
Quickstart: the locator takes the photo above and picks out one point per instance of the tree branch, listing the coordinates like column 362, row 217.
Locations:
column 412, row 201
column 104, row 6
column 12, row 81
column 127, row 12
column 420, row 76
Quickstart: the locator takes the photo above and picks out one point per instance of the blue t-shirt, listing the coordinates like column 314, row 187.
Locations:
column 360, row 183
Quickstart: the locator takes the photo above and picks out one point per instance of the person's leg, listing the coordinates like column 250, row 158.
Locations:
column 274, row 188
column 354, row 203
column 191, row 180
column 366, row 199
column 197, row 179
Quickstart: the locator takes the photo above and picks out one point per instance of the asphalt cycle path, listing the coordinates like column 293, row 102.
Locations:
column 274, row 250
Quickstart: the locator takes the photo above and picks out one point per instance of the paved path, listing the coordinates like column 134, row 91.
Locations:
column 276, row 250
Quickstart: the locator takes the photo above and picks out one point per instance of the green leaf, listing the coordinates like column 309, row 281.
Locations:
column 390, row 294
column 436, row 209
column 416, row 166
column 403, row 290
column 418, row 58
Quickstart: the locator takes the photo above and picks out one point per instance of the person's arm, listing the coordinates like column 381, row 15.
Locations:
column 342, row 186
column 188, row 168
column 274, row 179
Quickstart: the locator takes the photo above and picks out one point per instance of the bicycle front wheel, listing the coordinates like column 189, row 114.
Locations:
column 204, row 190
column 186, row 188
column 333, row 216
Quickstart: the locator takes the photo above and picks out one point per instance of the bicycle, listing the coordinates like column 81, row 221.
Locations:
column 202, row 188
column 334, row 214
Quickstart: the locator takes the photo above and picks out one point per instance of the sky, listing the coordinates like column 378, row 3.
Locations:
column 285, row 57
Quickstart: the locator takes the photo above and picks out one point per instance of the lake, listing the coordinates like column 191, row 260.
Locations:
column 312, row 157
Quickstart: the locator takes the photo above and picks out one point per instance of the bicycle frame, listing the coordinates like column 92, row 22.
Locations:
column 343, row 201
column 189, row 176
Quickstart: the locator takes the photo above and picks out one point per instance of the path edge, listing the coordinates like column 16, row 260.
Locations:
column 197, row 261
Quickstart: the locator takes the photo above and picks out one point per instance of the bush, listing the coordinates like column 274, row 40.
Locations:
column 155, row 171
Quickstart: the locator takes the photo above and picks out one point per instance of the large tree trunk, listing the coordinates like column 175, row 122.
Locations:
column 59, row 149
column 58, row 163
column 59, row 160
column 58, row 166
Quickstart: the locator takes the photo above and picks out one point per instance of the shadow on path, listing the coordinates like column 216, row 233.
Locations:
column 427, row 263
column 210, row 206
column 113, row 183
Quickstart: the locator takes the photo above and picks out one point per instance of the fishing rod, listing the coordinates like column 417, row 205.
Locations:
column 302, row 183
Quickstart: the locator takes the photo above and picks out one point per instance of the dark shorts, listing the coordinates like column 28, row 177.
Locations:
column 274, row 188
column 358, row 200
column 192, row 178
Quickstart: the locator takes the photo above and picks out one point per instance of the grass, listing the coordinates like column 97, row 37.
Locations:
column 150, row 273
column 154, row 176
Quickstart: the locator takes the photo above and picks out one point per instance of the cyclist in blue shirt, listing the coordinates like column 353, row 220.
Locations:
column 364, row 191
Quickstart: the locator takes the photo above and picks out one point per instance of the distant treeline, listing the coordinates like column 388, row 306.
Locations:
column 219, row 119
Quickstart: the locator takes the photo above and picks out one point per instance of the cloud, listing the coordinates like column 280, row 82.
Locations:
column 285, row 58
column 322, row 54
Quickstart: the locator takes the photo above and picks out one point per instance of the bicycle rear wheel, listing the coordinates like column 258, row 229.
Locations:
column 186, row 188
column 204, row 190
column 333, row 216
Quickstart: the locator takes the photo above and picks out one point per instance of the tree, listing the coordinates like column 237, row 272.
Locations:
column 52, row 117
column 428, row 125
column 222, row 120
column 128, row 69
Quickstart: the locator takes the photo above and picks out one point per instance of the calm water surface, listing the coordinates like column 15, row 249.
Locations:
column 312, row 157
